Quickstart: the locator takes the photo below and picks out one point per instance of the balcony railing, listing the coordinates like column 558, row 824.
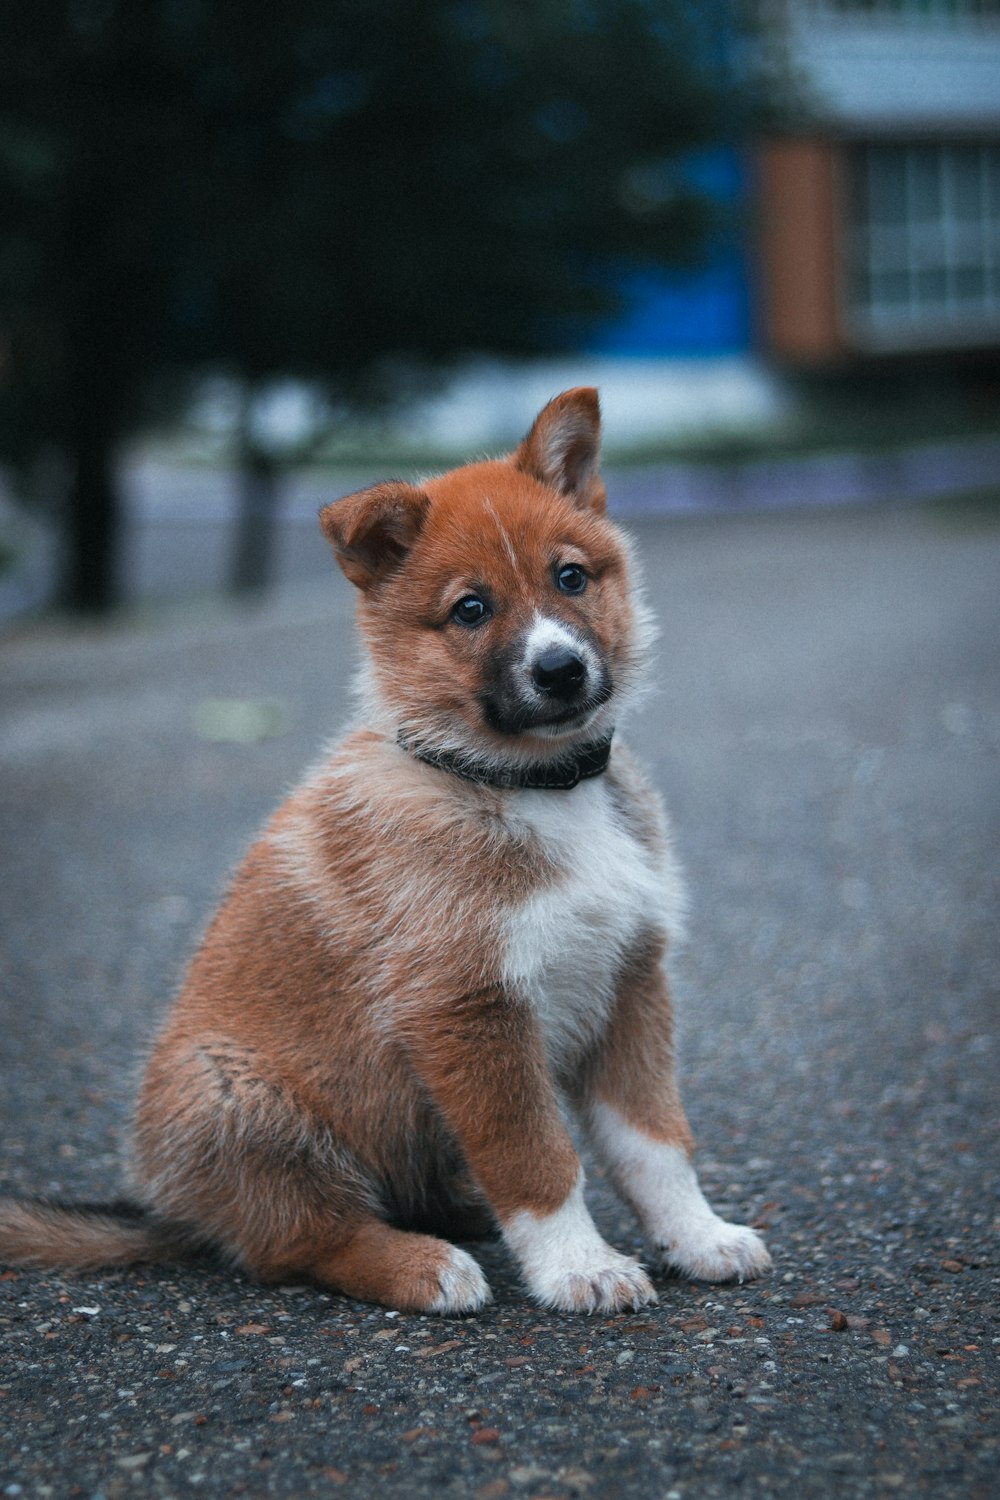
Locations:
column 931, row 11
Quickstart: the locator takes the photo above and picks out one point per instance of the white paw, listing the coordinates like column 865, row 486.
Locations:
column 709, row 1249
column 464, row 1288
column 611, row 1284
column 567, row 1265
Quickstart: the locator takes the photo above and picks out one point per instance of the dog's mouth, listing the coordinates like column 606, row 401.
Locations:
column 549, row 717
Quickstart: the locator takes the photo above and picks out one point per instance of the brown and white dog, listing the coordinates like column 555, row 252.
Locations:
column 451, row 933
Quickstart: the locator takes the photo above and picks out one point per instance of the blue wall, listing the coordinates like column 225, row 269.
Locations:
column 692, row 312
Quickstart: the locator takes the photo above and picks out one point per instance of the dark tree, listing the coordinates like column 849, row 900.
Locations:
column 316, row 188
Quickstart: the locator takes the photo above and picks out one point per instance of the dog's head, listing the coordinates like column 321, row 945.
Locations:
column 495, row 599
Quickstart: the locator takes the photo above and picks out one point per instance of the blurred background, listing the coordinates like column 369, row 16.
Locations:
column 252, row 255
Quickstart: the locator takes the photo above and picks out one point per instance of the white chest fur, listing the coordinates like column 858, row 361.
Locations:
column 565, row 944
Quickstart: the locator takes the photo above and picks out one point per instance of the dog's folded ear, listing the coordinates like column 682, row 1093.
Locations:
column 563, row 448
column 372, row 531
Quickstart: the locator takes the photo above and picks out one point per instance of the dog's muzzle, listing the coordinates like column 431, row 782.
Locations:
column 549, row 684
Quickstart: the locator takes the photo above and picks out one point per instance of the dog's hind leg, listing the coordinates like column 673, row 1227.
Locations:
column 399, row 1268
column 306, row 1214
column 631, row 1107
column 239, row 1159
column 304, row 1221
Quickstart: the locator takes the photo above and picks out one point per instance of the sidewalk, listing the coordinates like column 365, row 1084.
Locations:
column 826, row 727
column 179, row 530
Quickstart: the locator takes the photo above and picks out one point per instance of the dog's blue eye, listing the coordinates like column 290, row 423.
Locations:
column 471, row 610
column 571, row 579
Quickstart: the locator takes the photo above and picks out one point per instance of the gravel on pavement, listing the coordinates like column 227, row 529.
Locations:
column 825, row 724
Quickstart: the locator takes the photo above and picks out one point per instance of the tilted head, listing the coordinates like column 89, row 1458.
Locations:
column 495, row 600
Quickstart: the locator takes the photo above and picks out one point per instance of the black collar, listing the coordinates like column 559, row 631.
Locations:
column 536, row 775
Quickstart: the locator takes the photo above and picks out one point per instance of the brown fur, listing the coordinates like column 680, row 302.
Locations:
column 348, row 1062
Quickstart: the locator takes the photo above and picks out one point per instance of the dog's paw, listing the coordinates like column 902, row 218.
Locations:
column 712, row 1250
column 463, row 1287
column 611, row 1284
column 568, row 1266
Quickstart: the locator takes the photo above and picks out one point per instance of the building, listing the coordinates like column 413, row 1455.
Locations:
column 878, row 208
column 871, row 230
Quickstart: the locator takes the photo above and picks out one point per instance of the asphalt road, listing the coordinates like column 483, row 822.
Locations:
column 826, row 726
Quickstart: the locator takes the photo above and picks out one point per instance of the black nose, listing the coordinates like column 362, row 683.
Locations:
column 558, row 671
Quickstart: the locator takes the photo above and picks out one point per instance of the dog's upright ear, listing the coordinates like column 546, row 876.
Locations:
column 372, row 531
column 563, row 448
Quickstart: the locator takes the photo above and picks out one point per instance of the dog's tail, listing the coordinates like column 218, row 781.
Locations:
column 40, row 1234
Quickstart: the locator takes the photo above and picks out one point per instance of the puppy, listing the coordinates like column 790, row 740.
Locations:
column 451, row 934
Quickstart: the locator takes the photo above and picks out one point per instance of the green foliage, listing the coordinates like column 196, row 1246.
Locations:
column 320, row 186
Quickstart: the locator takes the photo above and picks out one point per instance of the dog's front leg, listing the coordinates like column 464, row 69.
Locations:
column 631, row 1106
column 483, row 1061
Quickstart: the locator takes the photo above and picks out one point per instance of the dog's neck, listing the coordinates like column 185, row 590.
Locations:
column 559, row 775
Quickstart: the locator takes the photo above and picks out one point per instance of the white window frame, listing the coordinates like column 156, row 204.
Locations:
column 920, row 246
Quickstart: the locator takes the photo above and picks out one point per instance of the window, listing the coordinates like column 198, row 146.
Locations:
column 923, row 252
